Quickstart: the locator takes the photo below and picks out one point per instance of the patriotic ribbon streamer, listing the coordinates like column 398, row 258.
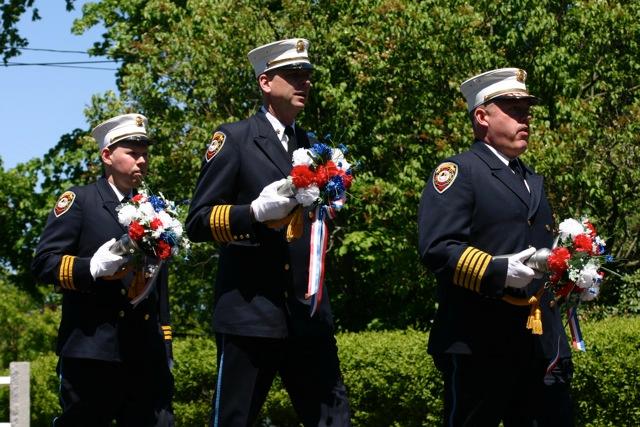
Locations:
column 577, row 341
column 555, row 360
column 318, row 248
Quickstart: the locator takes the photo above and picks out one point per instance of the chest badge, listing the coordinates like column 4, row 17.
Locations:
column 217, row 141
column 64, row 203
column 444, row 175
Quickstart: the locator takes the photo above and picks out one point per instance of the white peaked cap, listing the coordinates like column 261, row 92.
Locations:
column 289, row 53
column 127, row 126
column 500, row 83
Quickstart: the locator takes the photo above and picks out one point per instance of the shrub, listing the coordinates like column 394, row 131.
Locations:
column 392, row 381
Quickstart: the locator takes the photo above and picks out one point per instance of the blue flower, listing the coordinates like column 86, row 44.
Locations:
column 334, row 188
column 322, row 151
column 608, row 258
column 170, row 237
column 158, row 203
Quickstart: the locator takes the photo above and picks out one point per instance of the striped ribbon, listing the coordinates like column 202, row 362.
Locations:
column 574, row 326
column 317, row 250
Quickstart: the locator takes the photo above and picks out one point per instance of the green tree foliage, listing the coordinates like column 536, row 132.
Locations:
column 386, row 85
column 11, row 11
column 26, row 329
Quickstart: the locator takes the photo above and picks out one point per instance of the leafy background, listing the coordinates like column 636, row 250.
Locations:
column 386, row 85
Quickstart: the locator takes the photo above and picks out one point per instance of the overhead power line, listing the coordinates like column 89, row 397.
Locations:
column 69, row 64
column 54, row 50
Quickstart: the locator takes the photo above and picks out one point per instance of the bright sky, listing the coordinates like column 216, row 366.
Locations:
column 38, row 104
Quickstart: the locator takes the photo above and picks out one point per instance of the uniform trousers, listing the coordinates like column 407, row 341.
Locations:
column 309, row 369
column 483, row 390
column 93, row 393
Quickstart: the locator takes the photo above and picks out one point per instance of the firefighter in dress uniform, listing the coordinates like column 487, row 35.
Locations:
column 114, row 358
column 496, row 332
column 261, row 317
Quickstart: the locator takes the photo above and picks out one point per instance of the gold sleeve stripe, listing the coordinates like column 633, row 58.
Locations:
column 166, row 331
column 219, row 223
column 483, row 268
column 470, row 269
column 65, row 275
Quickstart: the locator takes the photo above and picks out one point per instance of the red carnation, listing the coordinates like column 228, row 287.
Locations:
column 557, row 261
column 332, row 169
column 302, row 176
column 583, row 243
column 137, row 198
column 566, row 289
column 322, row 176
column 555, row 277
column 136, row 231
column 163, row 250
column 592, row 229
column 155, row 223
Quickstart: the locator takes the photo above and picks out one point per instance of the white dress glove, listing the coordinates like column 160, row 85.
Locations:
column 518, row 274
column 104, row 262
column 271, row 204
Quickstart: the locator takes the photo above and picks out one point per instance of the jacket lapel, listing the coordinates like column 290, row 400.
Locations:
column 535, row 186
column 502, row 172
column 268, row 142
column 109, row 199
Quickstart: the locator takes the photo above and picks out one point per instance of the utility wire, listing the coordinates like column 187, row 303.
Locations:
column 54, row 50
column 70, row 64
column 60, row 63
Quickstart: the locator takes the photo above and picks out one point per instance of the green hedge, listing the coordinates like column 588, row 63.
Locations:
column 391, row 380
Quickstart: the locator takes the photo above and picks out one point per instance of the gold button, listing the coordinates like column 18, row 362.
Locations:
column 146, row 316
column 123, row 291
column 121, row 313
column 310, row 215
column 286, row 267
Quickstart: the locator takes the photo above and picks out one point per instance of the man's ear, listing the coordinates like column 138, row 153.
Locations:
column 265, row 83
column 105, row 155
column 480, row 115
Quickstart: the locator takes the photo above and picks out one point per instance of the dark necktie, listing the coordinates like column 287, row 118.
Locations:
column 292, row 144
column 517, row 169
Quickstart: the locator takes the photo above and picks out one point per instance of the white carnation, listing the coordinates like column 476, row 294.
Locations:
column 590, row 294
column 307, row 196
column 176, row 227
column 571, row 228
column 338, row 158
column 301, row 157
column 126, row 214
column 589, row 276
column 146, row 211
column 166, row 219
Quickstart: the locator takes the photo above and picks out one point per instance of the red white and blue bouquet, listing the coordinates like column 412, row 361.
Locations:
column 576, row 267
column 321, row 177
column 152, row 224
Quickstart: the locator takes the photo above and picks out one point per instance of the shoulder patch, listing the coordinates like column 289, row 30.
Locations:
column 64, row 203
column 444, row 175
column 217, row 141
